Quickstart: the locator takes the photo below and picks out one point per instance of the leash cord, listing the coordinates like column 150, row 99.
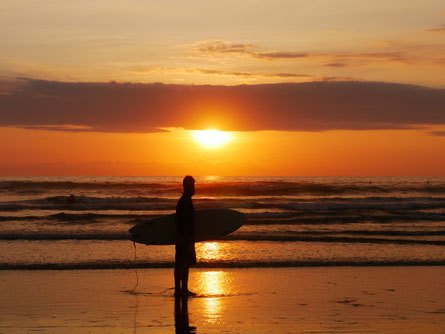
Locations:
column 135, row 267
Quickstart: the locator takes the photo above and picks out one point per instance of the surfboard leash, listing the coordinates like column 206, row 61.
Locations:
column 135, row 267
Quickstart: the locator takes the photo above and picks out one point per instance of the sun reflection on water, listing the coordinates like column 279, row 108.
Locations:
column 211, row 178
column 208, row 251
column 213, row 285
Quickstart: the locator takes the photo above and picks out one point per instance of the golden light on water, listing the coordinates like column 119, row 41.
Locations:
column 214, row 285
column 211, row 139
column 208, row 251
column 211, row 178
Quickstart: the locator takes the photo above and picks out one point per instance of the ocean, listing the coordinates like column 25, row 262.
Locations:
column 291, row 221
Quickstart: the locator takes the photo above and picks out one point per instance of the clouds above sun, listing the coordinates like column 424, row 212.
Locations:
column 225, row 48
column 128, row 107
column 326, row 87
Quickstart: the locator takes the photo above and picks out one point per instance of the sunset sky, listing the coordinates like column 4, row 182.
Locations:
column 326, row 87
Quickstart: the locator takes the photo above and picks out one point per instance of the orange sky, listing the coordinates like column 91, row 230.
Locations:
column 61, row 113
column 382, row 152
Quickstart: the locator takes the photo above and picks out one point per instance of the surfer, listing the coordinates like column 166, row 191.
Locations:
column 185, row 244
column 71, row 199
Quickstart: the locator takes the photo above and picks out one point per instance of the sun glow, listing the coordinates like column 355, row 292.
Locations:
column 211, row 138
column 214, row 285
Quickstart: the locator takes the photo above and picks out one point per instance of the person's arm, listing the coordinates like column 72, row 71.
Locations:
column 182, row 221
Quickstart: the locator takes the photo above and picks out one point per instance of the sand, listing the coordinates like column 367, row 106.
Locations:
column 254, row 300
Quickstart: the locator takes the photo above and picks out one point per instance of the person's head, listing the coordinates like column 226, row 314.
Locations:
column 189, row 185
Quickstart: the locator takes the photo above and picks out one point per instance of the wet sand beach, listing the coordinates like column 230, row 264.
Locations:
column 255, row 300
column 316, row 255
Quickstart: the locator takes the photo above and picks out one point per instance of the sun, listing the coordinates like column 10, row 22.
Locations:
column 211, row 138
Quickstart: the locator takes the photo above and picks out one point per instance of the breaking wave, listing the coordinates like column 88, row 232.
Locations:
column 230, row 188
column 369, row 221
column 337, row 237
column 283, row 203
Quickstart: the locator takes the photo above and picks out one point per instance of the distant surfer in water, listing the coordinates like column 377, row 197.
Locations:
column 185, row 244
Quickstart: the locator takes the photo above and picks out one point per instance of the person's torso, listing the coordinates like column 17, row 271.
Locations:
column 185, row 214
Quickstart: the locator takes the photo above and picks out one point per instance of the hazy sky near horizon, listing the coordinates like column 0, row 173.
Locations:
column 59, row 61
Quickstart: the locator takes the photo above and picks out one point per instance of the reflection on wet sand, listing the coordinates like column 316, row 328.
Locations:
column 182, row 316
column 212, row 285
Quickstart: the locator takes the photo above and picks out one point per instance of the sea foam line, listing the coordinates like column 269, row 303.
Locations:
column 217, row 264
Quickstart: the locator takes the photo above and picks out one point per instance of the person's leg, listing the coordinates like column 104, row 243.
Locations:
column 177, row 304
column 185, row 279
column 178, row 276
column 177, row 280
column 185, row 291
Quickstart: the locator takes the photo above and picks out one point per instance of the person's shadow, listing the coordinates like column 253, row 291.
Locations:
column 182, row 317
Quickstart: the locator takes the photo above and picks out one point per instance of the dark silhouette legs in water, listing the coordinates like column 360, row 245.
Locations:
column 181, row 279
column 181, row 276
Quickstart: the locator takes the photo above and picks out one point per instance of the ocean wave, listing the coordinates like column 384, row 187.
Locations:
column 16, row 185
column 277, row 203
column 330, row 238
column 256, row 218
column 81, row 217
column 415, row 233
column 366, row 203
column 231, row 188
column 344, row 218
column 109, row 236
column 216, row 264
column 254, row 237
column 84, row 203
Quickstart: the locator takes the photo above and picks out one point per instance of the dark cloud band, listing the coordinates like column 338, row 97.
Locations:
column 129, row 107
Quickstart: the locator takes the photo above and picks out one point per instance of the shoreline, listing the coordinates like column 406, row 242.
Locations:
column 406, row 299
column 219, row 266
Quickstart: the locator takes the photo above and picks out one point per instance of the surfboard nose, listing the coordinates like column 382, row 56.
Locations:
column 134, row 234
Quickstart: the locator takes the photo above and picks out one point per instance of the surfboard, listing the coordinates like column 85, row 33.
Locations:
column 209, row 225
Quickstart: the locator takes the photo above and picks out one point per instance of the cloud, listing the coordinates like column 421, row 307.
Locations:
column 218, row 48
column 440, row 28
column 437, row 133
column 336, row 65
column 280, row 75
column 204, row 71
column 59, row 127
column 247, row 74
column 221, row 47
column 137, row 107
column 279, row 55
column 377, row 56
column 149, row 70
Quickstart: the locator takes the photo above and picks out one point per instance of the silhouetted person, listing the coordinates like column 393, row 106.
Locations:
column 185, row 244
column 71, row 199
